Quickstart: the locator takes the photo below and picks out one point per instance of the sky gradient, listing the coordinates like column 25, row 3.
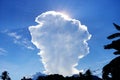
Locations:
column 19, row 56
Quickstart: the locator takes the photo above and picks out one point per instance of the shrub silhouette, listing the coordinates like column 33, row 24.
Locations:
column 5, row 76
column 111, row 71
column 24, row 78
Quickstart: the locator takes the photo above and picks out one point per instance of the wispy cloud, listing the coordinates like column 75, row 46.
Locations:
column 14, row 35
column 19, row 38
column 24, row 42
column 3, row 51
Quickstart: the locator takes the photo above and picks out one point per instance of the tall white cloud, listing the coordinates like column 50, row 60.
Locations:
column 61, row 40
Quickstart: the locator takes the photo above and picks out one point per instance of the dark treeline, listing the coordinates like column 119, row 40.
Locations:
column 80, row 76
column 86, row 76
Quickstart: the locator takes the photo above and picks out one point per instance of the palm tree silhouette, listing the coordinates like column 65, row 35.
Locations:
column 115, row 43
column 111, row 71
column 115, row 34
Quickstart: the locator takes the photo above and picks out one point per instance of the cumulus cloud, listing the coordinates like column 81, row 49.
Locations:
column 61, row 40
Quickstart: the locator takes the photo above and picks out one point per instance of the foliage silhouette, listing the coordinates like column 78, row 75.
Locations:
column 116, row 26
column 24, row 78
column 5, row 76
column 115, row 34
column 115, row 43
column 111, row 71
column 87, row 76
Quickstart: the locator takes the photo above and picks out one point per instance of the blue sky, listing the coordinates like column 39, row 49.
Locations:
column 19, row 56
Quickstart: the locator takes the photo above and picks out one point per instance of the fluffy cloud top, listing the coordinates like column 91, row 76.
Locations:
column 61, row 40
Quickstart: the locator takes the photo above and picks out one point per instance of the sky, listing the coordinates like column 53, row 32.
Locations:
column 19, row 55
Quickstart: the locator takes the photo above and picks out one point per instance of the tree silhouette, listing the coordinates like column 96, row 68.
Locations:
column 115, row 34
column 88, row 75
column 24, row 78
column 115, row 43
column 5, row 76
column 111, row 71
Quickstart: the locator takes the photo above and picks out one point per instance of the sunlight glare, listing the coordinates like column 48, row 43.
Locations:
column 65, row 15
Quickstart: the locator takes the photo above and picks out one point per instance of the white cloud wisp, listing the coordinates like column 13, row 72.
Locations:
column 20, row 38
column 61, row 40
column 2, row 51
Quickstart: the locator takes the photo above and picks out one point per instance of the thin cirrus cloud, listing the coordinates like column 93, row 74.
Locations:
column 3, row 51
column 14, row 35
column 62, row 42
column 19, row 38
